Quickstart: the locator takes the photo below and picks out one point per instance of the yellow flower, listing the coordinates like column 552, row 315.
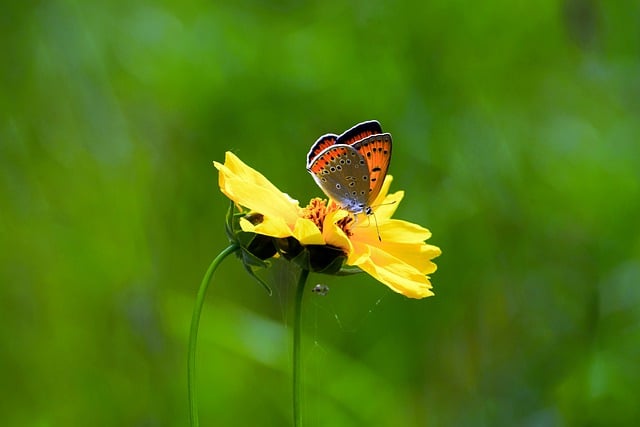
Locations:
column 401, row 260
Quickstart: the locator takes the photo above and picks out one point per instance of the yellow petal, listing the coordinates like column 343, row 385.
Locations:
column 397, row 275
column 401, row 260
column 393, row 230
column 360, row 253
column 307, row 233
column 270, row 226
column 334, row 235
column 417, row 255
column 247, row 187
column 404, row 231
column 388, row 206
column 383, row 191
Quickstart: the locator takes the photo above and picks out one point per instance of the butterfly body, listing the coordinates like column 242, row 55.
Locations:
column 350, row 168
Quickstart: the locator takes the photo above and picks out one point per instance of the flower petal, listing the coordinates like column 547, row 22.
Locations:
column 307, row 233
column 383, row 191
column 384, row 204
column 334, row 235
column 270, row 226
column 402, row 240
column 404, row 231
column 418, row 255
column 248, row 188
column 397, row 275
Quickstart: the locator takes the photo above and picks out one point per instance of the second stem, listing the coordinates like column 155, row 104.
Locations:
column 297, row 336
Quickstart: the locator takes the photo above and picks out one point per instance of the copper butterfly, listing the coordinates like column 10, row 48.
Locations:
column 350, row 168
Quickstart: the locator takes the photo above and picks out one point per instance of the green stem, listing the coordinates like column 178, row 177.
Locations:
column 297, row 324
column 193, row 336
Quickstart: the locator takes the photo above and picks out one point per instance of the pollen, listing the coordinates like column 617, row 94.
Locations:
column 345, row 224
column 317, row 210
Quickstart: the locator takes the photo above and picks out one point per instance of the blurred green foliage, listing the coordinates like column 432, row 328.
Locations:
column 516, row 129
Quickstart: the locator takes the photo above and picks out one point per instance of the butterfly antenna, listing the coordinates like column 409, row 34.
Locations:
column 377, row 229
column 376, row 219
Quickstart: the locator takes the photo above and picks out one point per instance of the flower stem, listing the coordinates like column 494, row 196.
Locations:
column 193, row 335
column 297, row 383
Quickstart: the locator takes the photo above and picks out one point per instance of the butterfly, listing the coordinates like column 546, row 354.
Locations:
column 350, row 168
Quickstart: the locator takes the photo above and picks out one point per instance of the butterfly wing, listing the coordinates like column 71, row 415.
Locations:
column 376, row 150
column 342, row 173
column 356, row 133
column 360, row 131
column 323, row 142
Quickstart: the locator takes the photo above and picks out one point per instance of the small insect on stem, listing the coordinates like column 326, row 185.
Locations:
column 320, row 289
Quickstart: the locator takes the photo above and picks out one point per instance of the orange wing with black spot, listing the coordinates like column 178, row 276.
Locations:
column 376, row 150
column 359, row 132
column 323, row 142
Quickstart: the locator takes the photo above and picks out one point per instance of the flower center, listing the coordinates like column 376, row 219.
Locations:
column 317, row 210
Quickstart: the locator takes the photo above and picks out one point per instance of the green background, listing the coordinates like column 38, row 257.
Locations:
column 517, row 140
